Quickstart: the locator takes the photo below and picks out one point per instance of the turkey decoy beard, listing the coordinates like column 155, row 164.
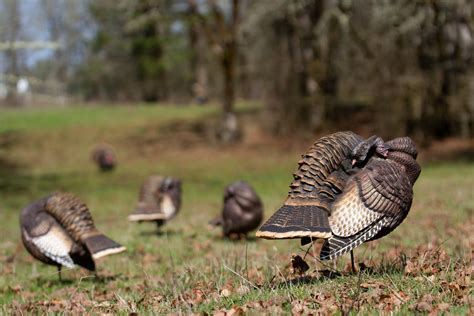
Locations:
column 58, row 230
column 347, row 191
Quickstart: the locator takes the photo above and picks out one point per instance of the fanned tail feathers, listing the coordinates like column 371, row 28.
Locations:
column 101, row 246
column 296, row 221
column 146, row 212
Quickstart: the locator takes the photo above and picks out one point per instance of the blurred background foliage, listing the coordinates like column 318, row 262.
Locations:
column 387, row 67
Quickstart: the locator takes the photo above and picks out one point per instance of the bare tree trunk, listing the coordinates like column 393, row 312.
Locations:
column 199, row 80
column 229, row 58
column 228, row 69
column 222, row 37
column 229, row 131
column 13, row 7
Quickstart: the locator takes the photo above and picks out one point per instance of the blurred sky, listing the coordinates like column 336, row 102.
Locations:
column 35, row 24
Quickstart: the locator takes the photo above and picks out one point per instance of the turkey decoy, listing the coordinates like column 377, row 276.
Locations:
column 347, row 190
column 58, row 230
column 159, row 200
column 104, row 156
column 242, row 211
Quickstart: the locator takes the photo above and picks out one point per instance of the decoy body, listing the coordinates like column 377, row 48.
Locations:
column 242, row 211
column 104, row 156
column 159, row 200
column 347, row 190
column 59, row 230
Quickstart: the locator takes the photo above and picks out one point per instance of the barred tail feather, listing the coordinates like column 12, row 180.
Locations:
column 296, row 221
column 336, row 246
column 145, row 213
column 101, row 246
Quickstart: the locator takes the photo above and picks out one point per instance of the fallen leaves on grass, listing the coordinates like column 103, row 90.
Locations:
column 446, row 282
column 298, row 265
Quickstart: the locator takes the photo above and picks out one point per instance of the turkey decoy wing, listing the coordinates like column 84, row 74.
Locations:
column 47, row 241
column 377, row 198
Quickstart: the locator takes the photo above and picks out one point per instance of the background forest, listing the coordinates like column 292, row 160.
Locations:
column 405, row 67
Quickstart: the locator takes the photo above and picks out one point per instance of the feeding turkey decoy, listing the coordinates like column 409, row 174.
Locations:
column 58, row 230
column 347, row 190
column 242, row 211
column 104, row 156
column 159, row 200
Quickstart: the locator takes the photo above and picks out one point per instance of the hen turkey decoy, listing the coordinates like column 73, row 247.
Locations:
column 159, row 200
column 104, row 156
column 242, row 211
column 58, row 230
column 347, row 190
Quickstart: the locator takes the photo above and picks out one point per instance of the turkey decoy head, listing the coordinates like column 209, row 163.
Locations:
column 170, row 186
column 366, row 149
column 170, row 189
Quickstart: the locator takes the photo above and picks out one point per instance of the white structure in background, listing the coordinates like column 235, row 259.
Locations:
column 22, row 86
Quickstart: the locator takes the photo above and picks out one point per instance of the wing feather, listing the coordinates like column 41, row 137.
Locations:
column 55, row 244
column 380, row 190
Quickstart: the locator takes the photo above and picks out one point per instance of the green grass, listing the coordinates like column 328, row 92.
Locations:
column 188, row 267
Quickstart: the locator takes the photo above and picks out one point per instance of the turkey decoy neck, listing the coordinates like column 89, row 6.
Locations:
column 403, row 151
column 412, row 168
column 366, row 149
column 404, row 145
column 172, row 187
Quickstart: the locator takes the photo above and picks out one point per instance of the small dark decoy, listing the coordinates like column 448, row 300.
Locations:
column 104, row 156
column 242, row 211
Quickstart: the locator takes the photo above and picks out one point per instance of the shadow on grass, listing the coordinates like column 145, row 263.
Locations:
column 160, row 233
column 23, row 182
column 55, row 281
column 394, row 266
column 384, row 268
column 220, row 238
column 321, row 276
column 93, row 278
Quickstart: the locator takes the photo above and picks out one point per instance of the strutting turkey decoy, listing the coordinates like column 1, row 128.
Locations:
column 159, row 200
column 347, row 190
column 242, row 211
column 58, row 230
column 104, row 156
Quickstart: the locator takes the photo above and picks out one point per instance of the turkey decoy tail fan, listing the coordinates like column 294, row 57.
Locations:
column 296, row 221
column 100, row 246
column 146, row 213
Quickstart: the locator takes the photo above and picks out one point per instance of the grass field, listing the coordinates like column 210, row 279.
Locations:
column 425, row 265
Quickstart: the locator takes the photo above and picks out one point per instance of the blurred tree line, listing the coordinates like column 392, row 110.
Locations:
column 392, row 67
